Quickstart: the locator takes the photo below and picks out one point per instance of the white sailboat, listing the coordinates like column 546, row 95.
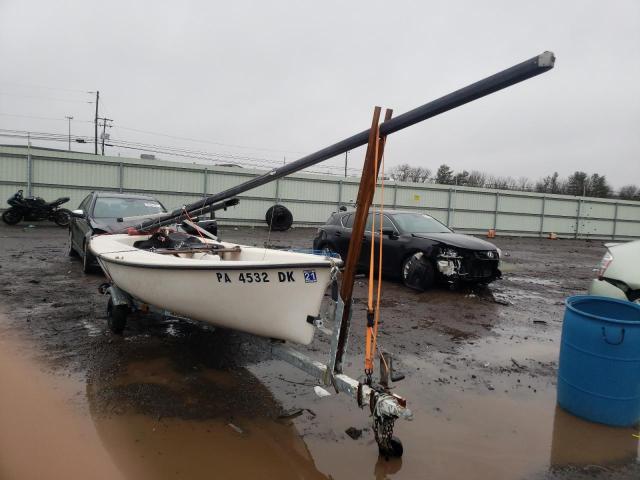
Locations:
column 266, row 292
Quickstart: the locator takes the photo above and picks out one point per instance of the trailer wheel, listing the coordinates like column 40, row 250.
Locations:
column 116, row 317
column 395, row 449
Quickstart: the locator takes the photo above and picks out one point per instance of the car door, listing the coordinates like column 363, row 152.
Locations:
column 79, row 225
column 389, row 244
column 365, row 252
column 391, row 247
column 342, row 234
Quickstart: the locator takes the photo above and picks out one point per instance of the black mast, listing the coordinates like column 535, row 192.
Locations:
column 518, row 73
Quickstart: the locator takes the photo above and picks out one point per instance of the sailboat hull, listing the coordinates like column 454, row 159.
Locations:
column 274, row 297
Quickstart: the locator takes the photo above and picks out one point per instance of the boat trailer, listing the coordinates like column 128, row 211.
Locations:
column 385, row 407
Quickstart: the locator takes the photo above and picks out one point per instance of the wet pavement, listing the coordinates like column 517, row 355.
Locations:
column 178, row 399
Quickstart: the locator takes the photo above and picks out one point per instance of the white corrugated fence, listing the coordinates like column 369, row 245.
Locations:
column 311, row 198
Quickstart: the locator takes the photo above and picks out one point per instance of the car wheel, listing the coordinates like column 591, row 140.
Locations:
column 87, row 259
column 116, row 317
column 70, row 250
column 418, row 272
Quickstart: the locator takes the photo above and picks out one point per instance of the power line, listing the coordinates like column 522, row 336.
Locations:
column 41, row 118
column 246, row 147
column 41, row 97
column 42, row 87
column 167, row 150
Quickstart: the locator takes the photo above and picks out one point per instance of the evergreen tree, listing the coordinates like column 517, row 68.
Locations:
column 598, row 186
column 577, row 184
column 444, row 175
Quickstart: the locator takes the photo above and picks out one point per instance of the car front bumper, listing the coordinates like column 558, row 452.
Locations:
column 603, row 288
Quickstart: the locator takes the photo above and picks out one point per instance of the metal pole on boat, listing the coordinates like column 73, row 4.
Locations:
column 518, row 73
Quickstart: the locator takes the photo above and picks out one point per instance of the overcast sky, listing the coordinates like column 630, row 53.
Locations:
column 287, row 78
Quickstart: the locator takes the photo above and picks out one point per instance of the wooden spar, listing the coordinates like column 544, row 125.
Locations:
column 498, row 81
column 366, row 193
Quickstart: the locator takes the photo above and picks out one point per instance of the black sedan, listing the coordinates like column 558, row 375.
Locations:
column 98, row 213
column 417, row 249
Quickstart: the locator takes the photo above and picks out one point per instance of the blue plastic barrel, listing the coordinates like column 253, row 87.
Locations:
column 599, row 371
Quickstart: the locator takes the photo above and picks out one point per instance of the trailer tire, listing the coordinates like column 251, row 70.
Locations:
column 395, row 450
column 116, row 317
column 279, row 218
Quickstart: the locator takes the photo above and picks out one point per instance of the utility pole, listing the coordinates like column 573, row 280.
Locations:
column 346, row 158
column 96, row 123
column 104, row 126
column 69, row 117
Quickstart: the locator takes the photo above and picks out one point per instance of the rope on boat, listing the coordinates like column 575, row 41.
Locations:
column 373, row 312
column 184, row 208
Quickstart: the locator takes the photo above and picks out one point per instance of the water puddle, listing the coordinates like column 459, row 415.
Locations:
column 155, row 413
column 92, row 330
column 534, row 281
column 43, row 433
column 504, row 351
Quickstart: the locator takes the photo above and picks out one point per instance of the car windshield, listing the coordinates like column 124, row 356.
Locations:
column 419, row 223
column 116, row 207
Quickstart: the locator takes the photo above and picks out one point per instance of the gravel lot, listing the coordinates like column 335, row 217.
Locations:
column 480, row 368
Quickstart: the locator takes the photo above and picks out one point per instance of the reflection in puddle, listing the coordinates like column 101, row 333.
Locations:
column 505, row 352
column 147, row 448
column 577, row 442
column 158, row 419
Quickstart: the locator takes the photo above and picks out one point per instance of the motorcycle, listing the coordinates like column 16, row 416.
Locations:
column 35, row 208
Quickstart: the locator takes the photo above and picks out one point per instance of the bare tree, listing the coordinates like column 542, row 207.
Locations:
column 550, row 184
column 502, row 183
column 407, row 173
column 629, row 192
column 401, row 173
column 524, row 184
column 476, row 179
column 419, row 175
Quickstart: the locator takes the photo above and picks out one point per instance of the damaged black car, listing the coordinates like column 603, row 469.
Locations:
column 417, row 249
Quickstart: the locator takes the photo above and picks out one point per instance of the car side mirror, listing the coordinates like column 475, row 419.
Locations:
column 77, row 213
column 390, row 232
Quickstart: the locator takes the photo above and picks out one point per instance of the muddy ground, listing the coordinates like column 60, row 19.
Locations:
column 179, row 399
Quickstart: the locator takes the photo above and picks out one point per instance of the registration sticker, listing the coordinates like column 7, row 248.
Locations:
column 310, row 276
